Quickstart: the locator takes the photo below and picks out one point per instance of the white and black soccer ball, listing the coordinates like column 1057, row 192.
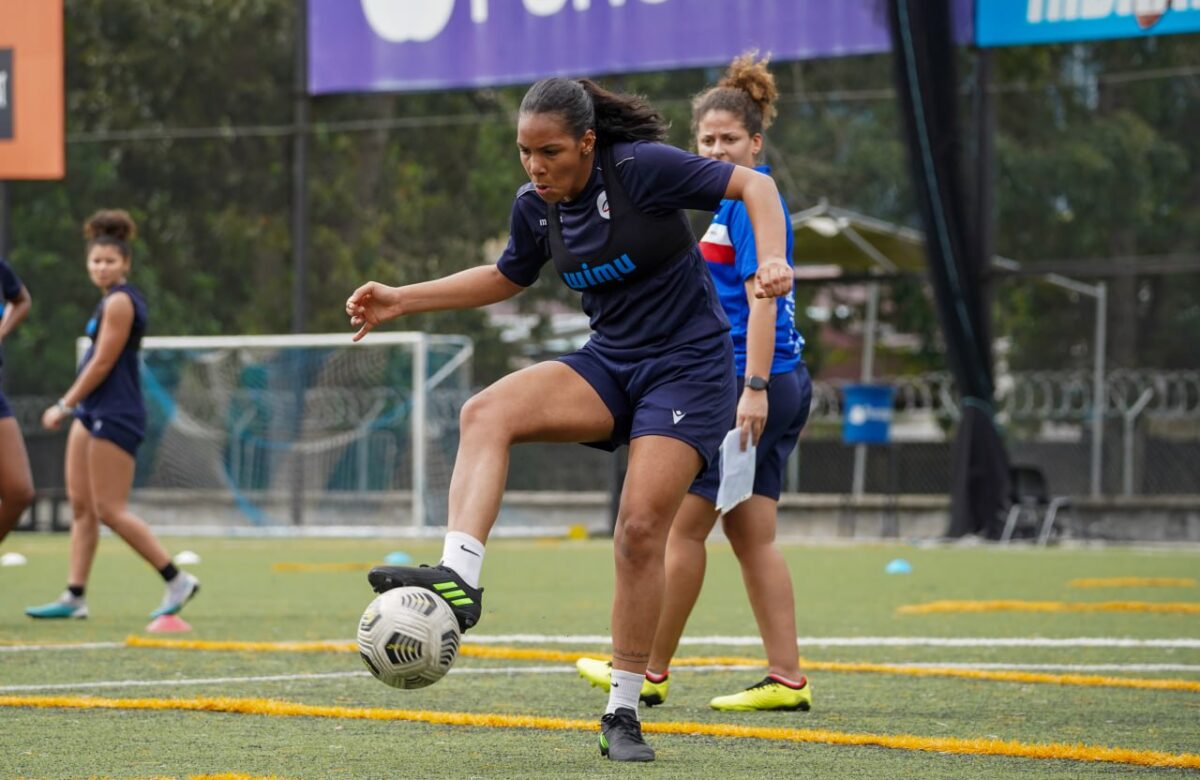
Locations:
column 408, row 637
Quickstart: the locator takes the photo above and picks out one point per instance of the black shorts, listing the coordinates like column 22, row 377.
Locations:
column 788, row 400
column 687, row 393
column 124, row 431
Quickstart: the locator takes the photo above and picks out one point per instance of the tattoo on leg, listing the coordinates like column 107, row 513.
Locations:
column 630, row 656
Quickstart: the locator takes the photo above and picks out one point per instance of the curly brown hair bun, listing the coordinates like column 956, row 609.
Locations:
column 747, row 91
column 110, row 226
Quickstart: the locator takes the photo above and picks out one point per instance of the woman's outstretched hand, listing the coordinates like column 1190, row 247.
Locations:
column 372, row 304
column 773, row 278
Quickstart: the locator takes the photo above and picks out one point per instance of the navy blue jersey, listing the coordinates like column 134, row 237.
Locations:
column 120, row 394
column 674, row 304
column 732, row 257
column 10, row 290
column 10, row 284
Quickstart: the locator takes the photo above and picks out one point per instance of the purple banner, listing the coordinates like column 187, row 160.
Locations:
column 397, row 45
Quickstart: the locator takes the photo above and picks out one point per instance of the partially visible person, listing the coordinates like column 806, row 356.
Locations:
column 774, row 396
column 16, row 482
column 109, row 424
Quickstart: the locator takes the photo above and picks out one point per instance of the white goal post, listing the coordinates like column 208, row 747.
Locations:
column 304, row 429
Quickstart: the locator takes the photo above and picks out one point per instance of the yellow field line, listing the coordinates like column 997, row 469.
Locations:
column 983, row 747
column 1132, row 582
column 1013, row 605
column 257, row 647
column 520, row 654
column 307, row 567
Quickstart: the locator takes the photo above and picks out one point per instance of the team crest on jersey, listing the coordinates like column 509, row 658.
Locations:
column 602, row 205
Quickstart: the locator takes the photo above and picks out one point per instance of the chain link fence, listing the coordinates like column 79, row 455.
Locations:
column 1151, row 441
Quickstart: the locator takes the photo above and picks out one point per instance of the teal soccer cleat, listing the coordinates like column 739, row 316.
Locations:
column 67, row 606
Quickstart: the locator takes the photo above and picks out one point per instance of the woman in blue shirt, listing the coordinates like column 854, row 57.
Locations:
column 109, row 424
column 775, row 391
column 16, row 482
column 604, row 204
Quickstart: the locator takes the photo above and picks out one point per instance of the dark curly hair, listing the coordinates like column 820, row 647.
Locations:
column 747, row 91
column 111, row 227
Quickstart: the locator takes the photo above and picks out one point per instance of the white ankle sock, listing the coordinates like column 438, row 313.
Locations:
column 625, row 691
column 463, row 553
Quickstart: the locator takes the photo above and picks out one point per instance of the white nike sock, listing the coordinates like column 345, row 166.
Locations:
column 463, row 553
column 625, row 692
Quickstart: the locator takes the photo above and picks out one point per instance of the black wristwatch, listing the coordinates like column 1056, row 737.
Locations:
column 755, row 382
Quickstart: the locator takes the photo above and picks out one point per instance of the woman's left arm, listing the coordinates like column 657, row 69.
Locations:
column 761, row 196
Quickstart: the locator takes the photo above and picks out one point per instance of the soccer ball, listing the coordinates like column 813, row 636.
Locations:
column 408, row 637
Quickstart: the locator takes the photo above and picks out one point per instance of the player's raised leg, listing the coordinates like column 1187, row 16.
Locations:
column 547, row 402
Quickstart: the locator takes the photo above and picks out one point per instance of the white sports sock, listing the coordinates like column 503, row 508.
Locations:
column 625, row 691
column 463, row 553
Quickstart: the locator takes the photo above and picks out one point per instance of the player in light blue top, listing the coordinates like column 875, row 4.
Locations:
column 105, row 401
column 16, row 482
column 774, row 395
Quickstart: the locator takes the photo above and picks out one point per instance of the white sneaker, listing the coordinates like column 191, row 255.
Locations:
column 179, row 590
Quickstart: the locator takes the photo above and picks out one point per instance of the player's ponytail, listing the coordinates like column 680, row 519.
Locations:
column 584, row 104
column 624, row 117
column 747, row 91
column 111, row 227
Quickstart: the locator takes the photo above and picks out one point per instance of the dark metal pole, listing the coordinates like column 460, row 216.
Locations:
column 3, row 219
column 299, row 241
column 985, row 157
column 300, row 171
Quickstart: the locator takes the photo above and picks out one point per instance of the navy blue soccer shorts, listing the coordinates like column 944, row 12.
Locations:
column 788, row 399
column 124, row 431
column 5, row 409
column 688, row 393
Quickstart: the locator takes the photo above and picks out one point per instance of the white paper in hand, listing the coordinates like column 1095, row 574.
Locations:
column 737, row 472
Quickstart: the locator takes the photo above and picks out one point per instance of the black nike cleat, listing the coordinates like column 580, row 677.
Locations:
column 467, row 602
column 621, row 737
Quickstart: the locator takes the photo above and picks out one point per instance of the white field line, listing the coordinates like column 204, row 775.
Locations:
column 62, row 646
column 1186, row 643
column 515, row 670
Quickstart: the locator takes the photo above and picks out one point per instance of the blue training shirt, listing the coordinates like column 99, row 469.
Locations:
column 10, row 284
column 732, row 257
column 120, row 394
column 677, row 304
column 10, row 290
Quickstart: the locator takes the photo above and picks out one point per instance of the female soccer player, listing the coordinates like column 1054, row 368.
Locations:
column 16, row 483
column 728, row 121
column 604, row 204
column 109, row 424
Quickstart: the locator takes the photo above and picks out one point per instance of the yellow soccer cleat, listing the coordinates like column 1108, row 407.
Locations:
column 770, row 694
column 599, row 674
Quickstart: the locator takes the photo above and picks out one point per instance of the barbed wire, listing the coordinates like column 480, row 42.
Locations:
column 1061, row 396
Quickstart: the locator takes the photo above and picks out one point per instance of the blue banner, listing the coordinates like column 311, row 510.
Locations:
column 395, row 45
column 867, row 414
column 1015, row 22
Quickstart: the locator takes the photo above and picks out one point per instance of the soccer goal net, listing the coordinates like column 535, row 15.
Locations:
column 301, row 430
